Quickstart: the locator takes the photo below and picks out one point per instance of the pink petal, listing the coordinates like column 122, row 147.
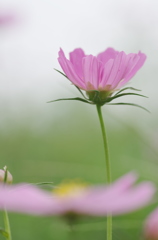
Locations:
column 125, row 65
column 108, row 54
column 76, row 60
column 120, row 72
column 91, row 72
column 151, row 226
column 124, row 183
column 131, row 60
column 105, row 73
column 137, row 64
column 89, row 202
column 28, row 199
column 136, row 198
column 69, row 70
column 115, row 68
column 117, row 199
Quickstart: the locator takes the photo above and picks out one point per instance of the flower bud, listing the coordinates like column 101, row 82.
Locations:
column 151, row 226
column 2, row 176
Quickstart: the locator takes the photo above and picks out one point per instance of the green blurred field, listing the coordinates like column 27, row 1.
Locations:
column 71, row 147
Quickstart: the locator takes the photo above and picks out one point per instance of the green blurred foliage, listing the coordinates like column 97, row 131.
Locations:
column 71, row 147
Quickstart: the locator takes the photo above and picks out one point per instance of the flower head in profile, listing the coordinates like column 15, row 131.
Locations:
column 151, row 226
column 75, row 198
column 102, row 75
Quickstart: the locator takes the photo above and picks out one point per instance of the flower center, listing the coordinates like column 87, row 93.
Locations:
column 70, row 189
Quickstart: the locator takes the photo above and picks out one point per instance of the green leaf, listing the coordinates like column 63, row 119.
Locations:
column 4, row 233
column 76, row 99
column 124, row 89
column 123, row 94
column 60, row 72
column 130, row 104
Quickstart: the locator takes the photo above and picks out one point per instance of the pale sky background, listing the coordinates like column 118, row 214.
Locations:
column 29, row 50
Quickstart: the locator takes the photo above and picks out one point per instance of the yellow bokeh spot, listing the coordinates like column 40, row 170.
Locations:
column 70, row 189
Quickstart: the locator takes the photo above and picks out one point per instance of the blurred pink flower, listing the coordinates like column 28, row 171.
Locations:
column 151, row 226
column 106, row 72
column 118, row 198
column 7, row 19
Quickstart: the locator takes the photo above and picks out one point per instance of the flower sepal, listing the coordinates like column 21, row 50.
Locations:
column 98, row 97
column 71, row 99
column 130, row 104
column 102, row 97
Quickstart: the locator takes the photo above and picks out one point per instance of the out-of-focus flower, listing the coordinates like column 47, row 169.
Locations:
column 120, row 197
column 151, row 226
column 100, row 76
column 7, row 19
column 9, row 178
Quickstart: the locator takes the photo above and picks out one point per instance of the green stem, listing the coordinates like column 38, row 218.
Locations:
column 106, row 149
column 7, row 225
column 6, row 218
column 71, row 232
column 108, row 168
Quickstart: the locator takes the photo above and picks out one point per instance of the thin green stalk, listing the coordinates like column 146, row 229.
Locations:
column 105, row 141
column 108, row 168
column 6, row 218
column 7, row 225
column 72, row 233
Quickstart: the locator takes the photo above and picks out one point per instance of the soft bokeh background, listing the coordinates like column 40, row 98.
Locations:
column 51, row 142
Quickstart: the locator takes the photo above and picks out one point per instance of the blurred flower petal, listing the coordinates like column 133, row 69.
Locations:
column 118, row 198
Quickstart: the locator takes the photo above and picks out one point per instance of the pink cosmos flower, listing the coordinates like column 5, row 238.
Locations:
column 120, row 197
column 106, row 72
column 151, row 226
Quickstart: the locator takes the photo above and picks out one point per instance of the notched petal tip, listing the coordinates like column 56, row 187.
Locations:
column 127, row 180
column 61, row 52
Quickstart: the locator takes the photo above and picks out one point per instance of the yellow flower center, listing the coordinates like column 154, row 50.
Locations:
column 70, row 189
